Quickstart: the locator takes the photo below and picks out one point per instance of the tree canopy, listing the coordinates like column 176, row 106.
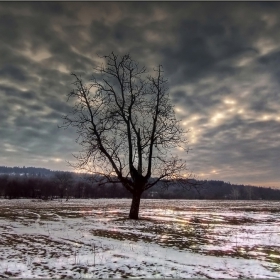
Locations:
column 127, row 127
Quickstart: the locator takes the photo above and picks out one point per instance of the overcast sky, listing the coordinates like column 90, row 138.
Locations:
column 222, row 60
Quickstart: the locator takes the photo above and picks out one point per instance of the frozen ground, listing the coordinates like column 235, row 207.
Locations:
column 178, row 239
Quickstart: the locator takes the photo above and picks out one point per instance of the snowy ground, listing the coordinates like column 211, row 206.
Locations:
column 178, row 239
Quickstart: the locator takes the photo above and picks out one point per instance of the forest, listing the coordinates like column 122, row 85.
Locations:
column 41, row 183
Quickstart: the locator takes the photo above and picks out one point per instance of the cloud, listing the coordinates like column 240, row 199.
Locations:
column 221, row 60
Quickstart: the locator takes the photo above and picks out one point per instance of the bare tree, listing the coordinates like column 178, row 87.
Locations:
column 127, row 127
column 250, row 192
column 64, row 180
column 3, row 184
column 235, row 193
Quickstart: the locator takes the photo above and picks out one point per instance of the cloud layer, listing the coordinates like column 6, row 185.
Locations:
column 221, row 59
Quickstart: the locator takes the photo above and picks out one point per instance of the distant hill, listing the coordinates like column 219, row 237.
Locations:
column 31, row 171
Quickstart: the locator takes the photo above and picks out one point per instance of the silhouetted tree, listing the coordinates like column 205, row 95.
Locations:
column 64, row 180
column 249, row 191
column 79, row 191
column 235, row 193
column 47, row 188
column 127, row 127
column 3, row 184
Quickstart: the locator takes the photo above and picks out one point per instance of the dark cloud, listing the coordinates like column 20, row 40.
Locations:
column 12, row 72
column 271, row 63
column 221, row 59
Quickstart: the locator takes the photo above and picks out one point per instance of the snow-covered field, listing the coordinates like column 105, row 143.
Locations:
column 173, row 238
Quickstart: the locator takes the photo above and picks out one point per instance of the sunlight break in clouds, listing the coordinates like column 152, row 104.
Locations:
column 229, row 101
column 217, row 117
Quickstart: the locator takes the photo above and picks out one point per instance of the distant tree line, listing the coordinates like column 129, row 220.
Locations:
column 28, row 171
column 212, row 189
column 67, row 185
column 60, row 185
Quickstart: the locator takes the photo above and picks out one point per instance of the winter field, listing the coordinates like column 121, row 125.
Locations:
column 173, row 239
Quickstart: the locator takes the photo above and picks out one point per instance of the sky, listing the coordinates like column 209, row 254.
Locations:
column 221, row 60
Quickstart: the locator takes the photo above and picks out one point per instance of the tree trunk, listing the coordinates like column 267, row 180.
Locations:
column 134, row 209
